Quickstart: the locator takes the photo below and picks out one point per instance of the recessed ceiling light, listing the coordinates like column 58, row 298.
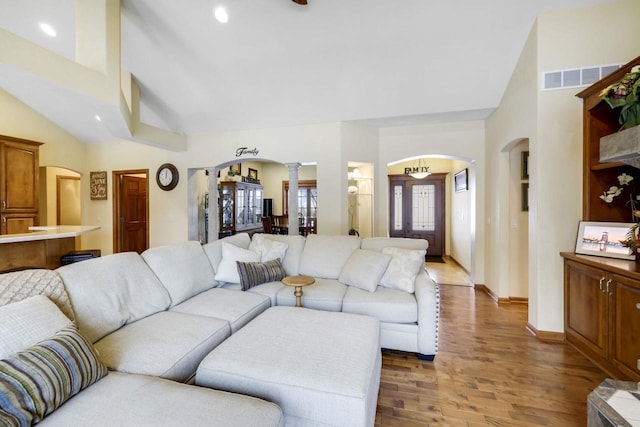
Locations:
column 48, row 29
column 221, row 14
column 98, row 118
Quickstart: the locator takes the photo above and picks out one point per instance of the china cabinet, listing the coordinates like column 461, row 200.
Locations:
column 240, row 207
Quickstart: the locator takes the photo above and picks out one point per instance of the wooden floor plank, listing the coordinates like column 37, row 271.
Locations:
column 489, row 371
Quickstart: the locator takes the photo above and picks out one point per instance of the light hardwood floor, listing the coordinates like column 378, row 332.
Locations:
column 449, row 273
column 489, row 371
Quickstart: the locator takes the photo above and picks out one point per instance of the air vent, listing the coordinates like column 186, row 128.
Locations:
column 577, row 77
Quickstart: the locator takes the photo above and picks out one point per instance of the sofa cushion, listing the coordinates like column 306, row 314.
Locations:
column 237, row 308
column 291, row 260
column 111, row 291
column 255, row 273
column 324, row 256
column 168, row 344
column 36, row 381
column 364, row 269
column 213, row 250
column 228, row 269
column 379, row 243
column 19, row 285
column 403, row 268
column 387, row 305
column 27, row 322
column 324, row 294
column 267, row 248
column 183, row 269
column 122, row 399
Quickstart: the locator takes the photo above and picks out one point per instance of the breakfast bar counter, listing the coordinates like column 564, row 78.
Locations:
column 41, row 248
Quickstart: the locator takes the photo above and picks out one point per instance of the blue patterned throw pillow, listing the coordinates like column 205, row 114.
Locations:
column 36, row 381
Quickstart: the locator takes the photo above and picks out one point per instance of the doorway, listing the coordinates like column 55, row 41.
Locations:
column 417, row 209
column 68, row 201
column 130, row 211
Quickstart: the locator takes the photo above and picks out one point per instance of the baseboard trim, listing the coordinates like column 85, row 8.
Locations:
column 501, row 300
column 547, row 336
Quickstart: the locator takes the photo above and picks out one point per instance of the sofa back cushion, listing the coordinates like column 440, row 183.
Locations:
column 295, row 245
column 213, row 250
column 324, row 256
column 379, row 243
column 183, row 269
column 111, row 291
column 25, row 323
column 23, row 284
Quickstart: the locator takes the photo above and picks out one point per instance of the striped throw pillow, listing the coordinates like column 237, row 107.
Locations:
column 36, row 381
column 255, row 273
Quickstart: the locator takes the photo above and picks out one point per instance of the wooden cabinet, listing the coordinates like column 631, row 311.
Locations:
column 602, row 312
column 600, row 120
column 19, row 188
column 240, row 207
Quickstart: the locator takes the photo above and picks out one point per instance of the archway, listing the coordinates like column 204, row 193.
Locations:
column 460, row 206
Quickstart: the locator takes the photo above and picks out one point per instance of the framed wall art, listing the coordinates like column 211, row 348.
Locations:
column 98, row 185
column 603, row 239
column 461, row 181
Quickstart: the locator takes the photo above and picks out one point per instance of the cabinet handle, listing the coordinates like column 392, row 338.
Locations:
column 638, row 305
column 608, row 283
column 600, row 283
column 4, row 205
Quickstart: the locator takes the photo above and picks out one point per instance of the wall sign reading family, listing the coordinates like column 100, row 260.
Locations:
column 98, row 185
column 245, row 150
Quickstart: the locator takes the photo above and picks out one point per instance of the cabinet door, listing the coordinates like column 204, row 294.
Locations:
column 226, row 207
column 586, row 308
column 19, row 177
column 241, row 207
column 17, row 223
column 626, row 345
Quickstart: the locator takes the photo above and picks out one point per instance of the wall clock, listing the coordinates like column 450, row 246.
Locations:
column 167, row 177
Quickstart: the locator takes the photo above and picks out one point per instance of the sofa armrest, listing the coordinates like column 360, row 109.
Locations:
column 428, row 299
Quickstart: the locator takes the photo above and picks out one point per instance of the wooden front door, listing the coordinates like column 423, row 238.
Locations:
column 131, row 231
column 134, row 214
column 417, row 209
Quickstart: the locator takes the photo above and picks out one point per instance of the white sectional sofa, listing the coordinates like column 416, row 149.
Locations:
column 154, row 317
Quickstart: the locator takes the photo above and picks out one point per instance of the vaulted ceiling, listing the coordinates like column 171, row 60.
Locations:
column 276, row 63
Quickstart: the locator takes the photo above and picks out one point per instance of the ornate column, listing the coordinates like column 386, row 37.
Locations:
column 213, row 205
column 293, row 198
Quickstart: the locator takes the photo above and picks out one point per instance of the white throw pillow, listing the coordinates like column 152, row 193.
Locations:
column 364, row 269
column 403, row 268
column 268, row 249
column 228, row 270
column 25, row 323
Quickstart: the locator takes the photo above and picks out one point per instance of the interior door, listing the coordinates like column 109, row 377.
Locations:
column 134, row 214
column 417, row 210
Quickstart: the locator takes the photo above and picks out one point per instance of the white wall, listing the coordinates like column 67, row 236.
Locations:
column 460, row 215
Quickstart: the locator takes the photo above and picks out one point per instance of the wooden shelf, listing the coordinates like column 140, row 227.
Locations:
column 600, row 120
column 604, row 166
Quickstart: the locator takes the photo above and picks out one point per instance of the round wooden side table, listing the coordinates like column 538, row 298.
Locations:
column 298, row 282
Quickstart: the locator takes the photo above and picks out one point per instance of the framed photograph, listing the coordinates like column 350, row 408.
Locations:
column 525, row 165
column 525, row 196
column 236, row 169
column 603, row 239
column 253, row 173
column 461, row 181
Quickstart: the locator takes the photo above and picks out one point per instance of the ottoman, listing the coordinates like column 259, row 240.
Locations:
column 322, row 368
